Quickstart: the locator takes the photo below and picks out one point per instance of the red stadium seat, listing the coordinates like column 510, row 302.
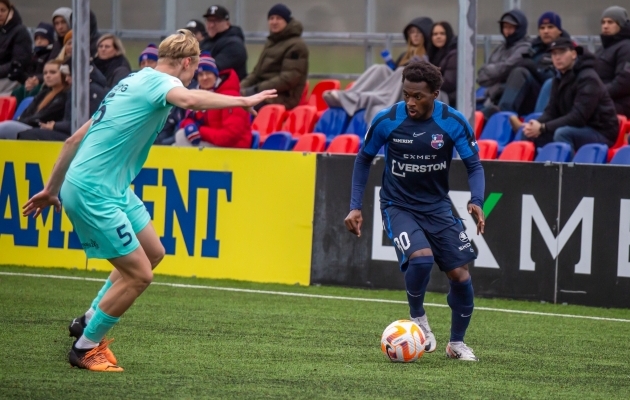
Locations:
column 8, row 104
column 348, row 143
column 518, row 151
column 300, row 120
column 316, row 99
column 488, row 149
column 304, row 98
column 311, row 142
column 622, row 138
column 268, row 120
column 479, row 120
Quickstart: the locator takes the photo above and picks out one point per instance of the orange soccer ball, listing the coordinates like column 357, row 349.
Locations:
column 403, row 341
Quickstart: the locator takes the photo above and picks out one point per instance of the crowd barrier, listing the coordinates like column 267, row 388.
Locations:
column 554, row 232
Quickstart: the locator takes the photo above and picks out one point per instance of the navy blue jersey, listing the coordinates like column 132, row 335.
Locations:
column 418, row 154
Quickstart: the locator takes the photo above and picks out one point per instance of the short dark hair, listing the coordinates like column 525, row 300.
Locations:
column 422, row 71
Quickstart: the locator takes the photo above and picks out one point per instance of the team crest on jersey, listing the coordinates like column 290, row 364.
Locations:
column 437, row 141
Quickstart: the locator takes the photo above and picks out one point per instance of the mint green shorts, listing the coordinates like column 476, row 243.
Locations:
column 107, row 227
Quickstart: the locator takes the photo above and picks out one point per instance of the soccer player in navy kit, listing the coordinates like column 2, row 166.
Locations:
column 419, row 135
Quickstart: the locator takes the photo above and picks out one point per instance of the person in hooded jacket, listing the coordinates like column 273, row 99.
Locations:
column 216, row 128
column 61, row 21
column 110, row 59
column 494, row 74
column 44, row 37
column 283, row 63
column 61, row 130
column 380, row 86
column 580, row 110
column 613, row 60
column 15, row 47
column 225, row 42
column 443, row 54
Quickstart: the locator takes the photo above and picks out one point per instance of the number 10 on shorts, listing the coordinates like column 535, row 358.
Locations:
column 402, row 242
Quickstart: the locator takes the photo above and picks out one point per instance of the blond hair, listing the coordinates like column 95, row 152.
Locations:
column 120, row 49
column 54, row 91
column 413, row 51
column 179, row 45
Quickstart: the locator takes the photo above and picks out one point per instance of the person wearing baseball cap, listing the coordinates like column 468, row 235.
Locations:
column 580, row 110
column 198, row 29
column 613, row 59
column 225, row 41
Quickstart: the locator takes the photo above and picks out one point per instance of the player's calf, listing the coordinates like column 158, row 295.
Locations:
column 416, row 280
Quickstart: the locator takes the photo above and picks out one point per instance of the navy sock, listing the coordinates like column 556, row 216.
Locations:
column 460, row 299
column 416, row 281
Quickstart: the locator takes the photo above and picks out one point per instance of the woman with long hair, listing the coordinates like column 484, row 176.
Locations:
column 48, row 106
column 443, row 54
column 110, row 59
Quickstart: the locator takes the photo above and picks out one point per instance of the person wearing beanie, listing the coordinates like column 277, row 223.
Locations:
column 61, row 21
column 613, row 59
column 283, row 63
column 215, row 128
column 66, row 50
column 148, row 57
column 226, row 42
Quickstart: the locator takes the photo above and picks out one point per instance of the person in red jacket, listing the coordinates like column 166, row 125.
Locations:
column 229, row 127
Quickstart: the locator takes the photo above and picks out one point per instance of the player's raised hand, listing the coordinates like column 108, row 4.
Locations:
column 40, row 201
column 251, row 101
column 353, row 222
column 477, row 214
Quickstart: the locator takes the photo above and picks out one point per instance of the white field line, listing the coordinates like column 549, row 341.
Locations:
column 319, row 296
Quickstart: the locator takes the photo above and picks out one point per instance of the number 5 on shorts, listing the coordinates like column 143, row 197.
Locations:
column 124, row 235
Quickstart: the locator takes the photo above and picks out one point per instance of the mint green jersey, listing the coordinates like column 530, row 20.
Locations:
column 123, row 129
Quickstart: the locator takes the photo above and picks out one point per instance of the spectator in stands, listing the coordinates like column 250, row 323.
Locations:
column 580, row 110
column 226, row 42
column 198, row 29
column 149, row 57
column 110, row 59
column 443, row 54
column 283, row 63
column 61, row 21
column 94, row 34
column 380, row 85
column 216, row 128
column 494, row 74
column 32, row 76
column 613, row 60
column 66, row 51
column 15, row 46
column 61, row 130
column 48, row 106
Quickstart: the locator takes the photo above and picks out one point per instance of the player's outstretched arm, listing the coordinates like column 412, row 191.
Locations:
column 49, row 196
column 205, row 100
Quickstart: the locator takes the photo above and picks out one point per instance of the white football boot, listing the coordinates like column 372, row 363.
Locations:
column 459, row 351
column 423, row 323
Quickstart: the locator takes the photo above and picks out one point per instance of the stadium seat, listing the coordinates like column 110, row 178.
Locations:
column 311, row 142
column 23, row 106
column 268, row 120
column 304, row 98
column 621, row 156
column 300, row 120
column 488, row 149
column 518, row 151
column 316, row 100
column 357, row 124
column 498, row 128
column 348, row 143
column 529, row 117
column 333, row 122
column 479, row 120
column 277, row 141
column 555, row 152
column 593, row 153
column 8, row 105
column 255, row 139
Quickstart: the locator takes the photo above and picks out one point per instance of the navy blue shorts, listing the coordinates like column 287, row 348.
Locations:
column 441, row 232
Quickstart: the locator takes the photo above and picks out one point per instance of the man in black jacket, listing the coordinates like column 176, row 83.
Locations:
column 15, row 46
column 613, row 60
column 580, row 111
column 226, row 43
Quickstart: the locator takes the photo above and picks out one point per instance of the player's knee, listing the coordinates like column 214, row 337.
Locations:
column 421, row 253
column 142, row 279
column 460, row 274
column 157, row 256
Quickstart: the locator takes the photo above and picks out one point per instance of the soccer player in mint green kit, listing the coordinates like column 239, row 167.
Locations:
column 93, row 173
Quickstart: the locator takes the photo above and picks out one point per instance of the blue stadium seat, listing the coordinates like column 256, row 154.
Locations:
column 622, row 156
column 332, row 123
column 23, row 105
column 498, row 128
column 255, row 139
column 519, row 134
column 593, row 153
column 555, row 152
column 277, row 141
column 357, row 124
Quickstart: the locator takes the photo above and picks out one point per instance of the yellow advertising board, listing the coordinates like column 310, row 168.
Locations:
column 220, row 213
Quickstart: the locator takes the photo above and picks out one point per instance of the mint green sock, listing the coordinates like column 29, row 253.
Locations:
column 101, row 293
column 99, row 325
